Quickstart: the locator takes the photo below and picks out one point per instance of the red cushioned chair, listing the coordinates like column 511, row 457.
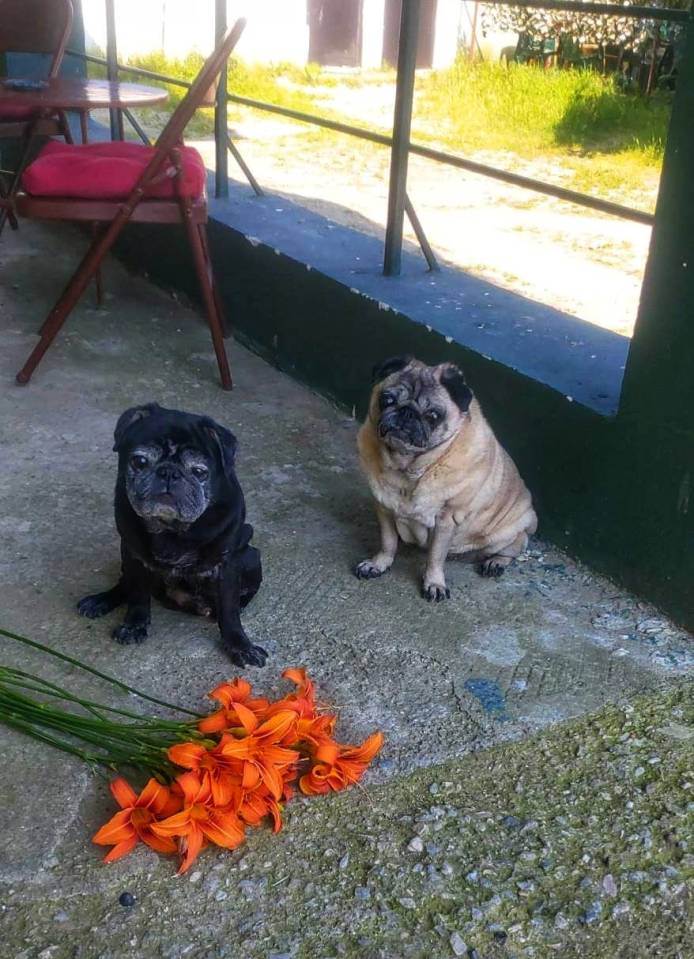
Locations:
column 31, row 26
column 116, row 183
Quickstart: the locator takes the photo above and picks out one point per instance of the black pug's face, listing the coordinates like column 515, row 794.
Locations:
column 172, row 464
column 168, row 481
column 418, row 407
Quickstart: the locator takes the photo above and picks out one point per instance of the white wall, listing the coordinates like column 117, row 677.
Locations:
column 372, row 34
column 276, row 29
column 450, row 21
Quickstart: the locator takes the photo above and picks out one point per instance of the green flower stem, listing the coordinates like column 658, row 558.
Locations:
column 95, row 672
column 26, row 680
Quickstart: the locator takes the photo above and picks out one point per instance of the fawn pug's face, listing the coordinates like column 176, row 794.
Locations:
column 416, row 407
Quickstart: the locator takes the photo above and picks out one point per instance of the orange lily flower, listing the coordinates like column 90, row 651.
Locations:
column 258, row 804
column 336, row 767
column 136, row 818
column 223, row 775
column 302, row 701
column 238, row 707
column 199, row 821
column 261, row 752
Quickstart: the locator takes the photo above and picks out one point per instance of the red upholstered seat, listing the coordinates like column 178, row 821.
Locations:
column 108, row 171
column 15, row 113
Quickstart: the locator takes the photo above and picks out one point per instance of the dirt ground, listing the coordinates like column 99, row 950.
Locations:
column 582, row 262
column 585, row 263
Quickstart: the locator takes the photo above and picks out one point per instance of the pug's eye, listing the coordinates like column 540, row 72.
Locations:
column 387, row 399
column 199, row 472
column 138, row 462
column 433, row 417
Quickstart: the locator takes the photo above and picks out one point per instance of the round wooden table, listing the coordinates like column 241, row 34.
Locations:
column 73, row 93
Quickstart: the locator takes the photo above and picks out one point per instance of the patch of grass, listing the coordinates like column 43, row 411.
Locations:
column 275, row 83
column 529, row 111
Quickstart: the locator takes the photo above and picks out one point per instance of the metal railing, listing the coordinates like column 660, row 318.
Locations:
column 399, row 143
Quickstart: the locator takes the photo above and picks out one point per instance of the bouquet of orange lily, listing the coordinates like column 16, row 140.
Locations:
column 211, row 777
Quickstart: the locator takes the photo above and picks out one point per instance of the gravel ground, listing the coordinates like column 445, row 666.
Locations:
column 574, row 843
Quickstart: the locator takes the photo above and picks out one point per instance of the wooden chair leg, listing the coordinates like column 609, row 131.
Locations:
column 206, row 288
column 226, row 326
column 84, row 126
column 65, row 127
column 73, row 291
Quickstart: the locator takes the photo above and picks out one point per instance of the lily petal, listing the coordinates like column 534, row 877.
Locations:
column 123, row 792
column 194, row 843
column 121, row 849
column 117, row 829
column 187, row 755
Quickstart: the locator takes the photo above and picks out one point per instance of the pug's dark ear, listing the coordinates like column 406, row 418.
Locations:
column 225, row 440
column 453, row 380
column 387, row 367
column 126, row 420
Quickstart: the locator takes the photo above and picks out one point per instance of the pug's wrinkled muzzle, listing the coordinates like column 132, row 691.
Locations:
column 403, row 425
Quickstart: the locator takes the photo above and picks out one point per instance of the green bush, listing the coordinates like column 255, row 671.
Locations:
column 525, row 109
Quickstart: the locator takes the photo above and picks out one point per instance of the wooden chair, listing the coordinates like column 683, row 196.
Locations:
column 117, row 183
column 40, row 27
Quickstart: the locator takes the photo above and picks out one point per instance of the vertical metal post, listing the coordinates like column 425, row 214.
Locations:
column 402, row 120
column 221, row 125
column 112, row 66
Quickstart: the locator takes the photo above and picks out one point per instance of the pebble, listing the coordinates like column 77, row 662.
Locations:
column 434, row 789
column 60, row 916
column 447, row 869
column 407, row 903
column 620, row 909
column 362, row 892
column 344, row 862
column 458, row 945
column 126, row 899
column 220, row 896
column 526, row 885
column 511, row 822
column 592, row 913
column 610, row 886
column 416, row 844
column 195, row 876
column 560, row 921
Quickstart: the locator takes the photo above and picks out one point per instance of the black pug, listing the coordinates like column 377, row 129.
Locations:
column 181, row 516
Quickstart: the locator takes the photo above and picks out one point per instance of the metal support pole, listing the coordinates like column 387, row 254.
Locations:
column 221, row 170
column 112, row 67
column 402, row 120
column 424, row 244
column 234, row 150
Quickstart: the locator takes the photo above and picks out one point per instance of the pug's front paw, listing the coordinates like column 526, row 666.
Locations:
column 434, row 591
column 246, row 654
column 128, row 634
column 368, row 569
column 93, row 607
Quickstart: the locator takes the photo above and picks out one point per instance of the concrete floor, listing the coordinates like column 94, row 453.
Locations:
column 502, row 660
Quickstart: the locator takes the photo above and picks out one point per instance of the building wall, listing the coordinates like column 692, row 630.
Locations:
column 372, row 34
column 277, row 30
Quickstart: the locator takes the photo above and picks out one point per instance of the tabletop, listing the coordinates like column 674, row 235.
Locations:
column 73, row 93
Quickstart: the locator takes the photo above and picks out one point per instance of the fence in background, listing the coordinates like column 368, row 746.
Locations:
column 399, row 142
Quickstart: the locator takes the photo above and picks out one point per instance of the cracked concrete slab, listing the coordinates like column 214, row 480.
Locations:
column 501, row 660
